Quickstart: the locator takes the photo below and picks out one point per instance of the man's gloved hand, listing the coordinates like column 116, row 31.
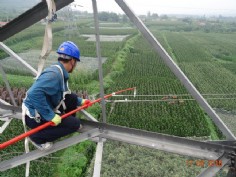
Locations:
column 56, row 119
column 86, row 102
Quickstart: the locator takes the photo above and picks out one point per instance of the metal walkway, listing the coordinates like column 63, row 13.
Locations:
column 168, row 143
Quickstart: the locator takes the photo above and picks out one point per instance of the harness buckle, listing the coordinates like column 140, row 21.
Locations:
column 37, row 119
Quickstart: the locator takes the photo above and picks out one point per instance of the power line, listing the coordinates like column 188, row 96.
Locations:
column 207, row 94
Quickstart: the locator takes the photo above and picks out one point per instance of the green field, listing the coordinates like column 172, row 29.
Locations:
column 206, row 55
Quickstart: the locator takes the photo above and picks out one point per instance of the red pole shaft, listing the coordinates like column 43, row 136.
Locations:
column 32, row 131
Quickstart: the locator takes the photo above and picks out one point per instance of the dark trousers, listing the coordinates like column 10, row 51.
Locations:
column 67, row 126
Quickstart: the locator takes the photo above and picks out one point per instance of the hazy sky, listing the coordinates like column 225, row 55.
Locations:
column 224, row 7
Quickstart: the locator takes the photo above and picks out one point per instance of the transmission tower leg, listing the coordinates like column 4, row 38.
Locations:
column 15, row 56
column 95, row 12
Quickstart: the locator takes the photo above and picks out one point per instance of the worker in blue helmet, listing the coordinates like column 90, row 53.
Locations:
column 50, row 97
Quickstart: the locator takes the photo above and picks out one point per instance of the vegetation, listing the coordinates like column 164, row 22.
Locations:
column 154, row 116
column 131, row 160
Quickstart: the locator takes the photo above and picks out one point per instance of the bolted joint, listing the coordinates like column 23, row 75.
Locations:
column 54, row 17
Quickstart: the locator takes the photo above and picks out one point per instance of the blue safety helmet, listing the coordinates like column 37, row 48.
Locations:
column 69, row 49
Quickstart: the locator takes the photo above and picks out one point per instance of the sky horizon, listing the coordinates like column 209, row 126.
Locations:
column 161, row 7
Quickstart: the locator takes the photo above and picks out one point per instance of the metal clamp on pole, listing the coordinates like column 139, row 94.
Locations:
column 53, row 18
column 135, row 91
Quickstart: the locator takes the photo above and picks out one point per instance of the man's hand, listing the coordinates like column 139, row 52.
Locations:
column 86, row 102
column 56, row 119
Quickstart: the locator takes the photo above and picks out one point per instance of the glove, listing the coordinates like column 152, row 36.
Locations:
column 86, row 102
column 56, row 119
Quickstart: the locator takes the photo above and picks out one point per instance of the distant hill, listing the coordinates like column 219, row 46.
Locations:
column 12, row 8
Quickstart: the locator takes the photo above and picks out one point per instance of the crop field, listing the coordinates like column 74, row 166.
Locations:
column 195, row 53
column 207, row 58
column 153, row 78
column 209, row 74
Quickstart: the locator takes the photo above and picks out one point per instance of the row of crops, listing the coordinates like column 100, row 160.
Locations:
column 208, row 73
column 145, row 70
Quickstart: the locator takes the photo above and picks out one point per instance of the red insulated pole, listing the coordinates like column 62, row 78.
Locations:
column 32, row 131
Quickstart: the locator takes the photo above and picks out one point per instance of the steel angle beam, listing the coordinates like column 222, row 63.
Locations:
column 99, row 148
column 88, row 116
column 98, row 51
column 7, row 110
column 91, row 118
column 29, row 18
column 7, row 106
column 168, row 143
column 6, row 114
column 98, row 160
column 15, row 56
column 22, row 159
column 163, row 144
column 224, row 142
column 175, row 69
column 5, row 125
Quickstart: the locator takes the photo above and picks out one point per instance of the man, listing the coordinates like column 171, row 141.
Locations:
column 49, row 97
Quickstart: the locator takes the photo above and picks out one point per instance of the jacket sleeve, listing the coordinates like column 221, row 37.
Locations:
column 79, row 101
column 46, row 85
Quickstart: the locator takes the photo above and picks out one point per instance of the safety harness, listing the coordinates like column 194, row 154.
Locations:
column 66, row 91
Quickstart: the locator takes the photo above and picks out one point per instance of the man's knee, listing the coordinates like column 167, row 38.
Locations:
column 71, row 122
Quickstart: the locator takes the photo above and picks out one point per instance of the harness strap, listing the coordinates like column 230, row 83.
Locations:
column 56, row 110
column 62, row 102
column 47, row 42
column 24, row 109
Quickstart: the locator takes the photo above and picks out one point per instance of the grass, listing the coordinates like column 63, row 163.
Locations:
column 214, row 134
